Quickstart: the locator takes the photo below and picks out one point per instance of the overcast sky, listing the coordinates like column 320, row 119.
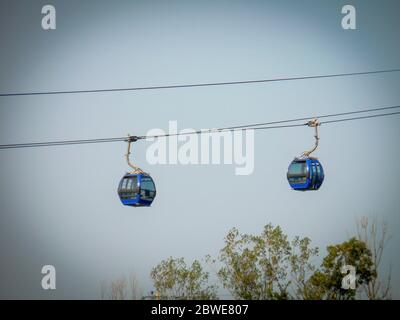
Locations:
column 59, row 205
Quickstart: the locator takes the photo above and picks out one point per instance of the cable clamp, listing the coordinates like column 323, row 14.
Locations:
column 313, row 123
column 131, row 138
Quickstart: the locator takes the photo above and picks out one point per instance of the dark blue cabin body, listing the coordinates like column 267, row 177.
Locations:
column 305, row 174
column 136, row 190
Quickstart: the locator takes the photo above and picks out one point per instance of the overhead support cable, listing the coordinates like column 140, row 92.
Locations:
column 264, row 126
column 196, row 85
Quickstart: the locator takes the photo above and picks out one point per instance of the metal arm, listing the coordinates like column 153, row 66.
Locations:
column 136, row 170
column 312, row 123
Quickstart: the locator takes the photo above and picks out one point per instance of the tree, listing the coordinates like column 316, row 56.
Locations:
column 120, row 289
column 259, row 267
column 326, row 283
column 302, row 267
column 173, row 279
column 376, row 238
column 270, row 266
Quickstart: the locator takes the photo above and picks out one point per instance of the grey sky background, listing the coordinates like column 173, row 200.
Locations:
column 59, row 205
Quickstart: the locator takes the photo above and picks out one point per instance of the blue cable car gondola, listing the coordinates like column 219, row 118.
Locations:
column 137, row 188
column 306, row 173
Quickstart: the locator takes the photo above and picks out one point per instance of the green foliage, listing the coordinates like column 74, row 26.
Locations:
column 326, row 283
column 258, row 267
column 301, row 266
column 174, row 280
column 270, row 266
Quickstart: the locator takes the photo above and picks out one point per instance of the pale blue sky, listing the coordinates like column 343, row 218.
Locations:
column 59, row 205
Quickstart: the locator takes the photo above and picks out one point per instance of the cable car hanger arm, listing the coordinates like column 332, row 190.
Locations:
column 130, row 139
column 312, row 123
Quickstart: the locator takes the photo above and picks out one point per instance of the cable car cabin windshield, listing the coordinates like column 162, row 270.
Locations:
column 128, row 188
column 297, row 172
column 147, row 189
